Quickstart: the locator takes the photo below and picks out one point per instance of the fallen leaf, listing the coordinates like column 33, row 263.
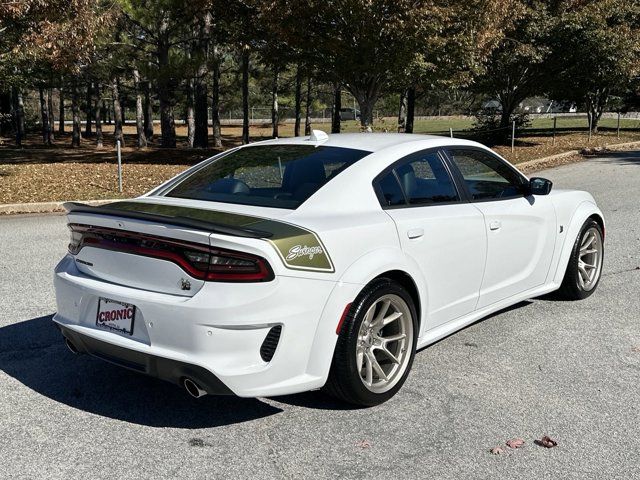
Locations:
column 363, row 444
column 635, row 349
column 496, row 451
column 515, row 443
column 197, row 442
column 546, row 442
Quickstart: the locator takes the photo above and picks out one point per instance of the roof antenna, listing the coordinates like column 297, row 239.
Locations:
column 318, row 136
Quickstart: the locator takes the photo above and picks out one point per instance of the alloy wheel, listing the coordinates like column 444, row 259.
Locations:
column 385, row 339
column 589, row 259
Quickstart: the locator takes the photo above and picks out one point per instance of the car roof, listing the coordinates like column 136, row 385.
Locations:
column 370, row 142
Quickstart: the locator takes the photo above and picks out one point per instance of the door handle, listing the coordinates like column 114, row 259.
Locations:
column 495, row 225
column 415, row 233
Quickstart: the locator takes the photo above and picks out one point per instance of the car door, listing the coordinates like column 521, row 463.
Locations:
column 439, row 230
column 521, row 228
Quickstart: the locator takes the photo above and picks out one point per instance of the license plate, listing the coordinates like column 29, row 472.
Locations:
column 116, row 316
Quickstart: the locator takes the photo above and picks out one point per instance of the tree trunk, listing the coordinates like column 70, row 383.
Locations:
column 98, row 116
column 109, row 108
column 201, row 107
column 596, row 104
column 337, row 106
column 52, row 122
column 366, row 113
column 245, row 94
column 402, row 113
column 117, row 112
column 508, row 104
column 505, row 117
column 307, row 118
column 366, row 92
column 167, row 122
column 191, row 120
column 87, row 127
column 5, row 111
column 411, row 109
column 123, row 113
column 44, row 117
column 148, row 112
column 166, row 89
column 298, row 101
column 18, row 116
column 215, row 102
column 589, row 106
column 75, row 115
column 61, row 111
column 142, row 140
column 274, row 104
column 201, row 113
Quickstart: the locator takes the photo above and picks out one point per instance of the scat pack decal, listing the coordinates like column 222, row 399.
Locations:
column 299, row 248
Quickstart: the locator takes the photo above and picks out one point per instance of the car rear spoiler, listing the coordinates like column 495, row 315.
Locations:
column 178, row 221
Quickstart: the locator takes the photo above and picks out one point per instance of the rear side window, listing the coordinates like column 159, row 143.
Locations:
column 421, row 179
column 391, row 191
column 425, row 180
column 281, row 176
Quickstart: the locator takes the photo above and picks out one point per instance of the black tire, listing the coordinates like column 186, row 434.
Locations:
column 571, row 288
column 344, row 380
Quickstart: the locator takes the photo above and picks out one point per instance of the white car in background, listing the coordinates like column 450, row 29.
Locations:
column 295, row 264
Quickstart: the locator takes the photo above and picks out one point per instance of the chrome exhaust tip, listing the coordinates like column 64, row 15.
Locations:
column 72, row 348
column 193, row 388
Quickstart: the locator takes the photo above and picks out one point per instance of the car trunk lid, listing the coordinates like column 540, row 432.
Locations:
column 139, row 244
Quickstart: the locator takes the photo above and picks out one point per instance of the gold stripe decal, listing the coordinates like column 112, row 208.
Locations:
column 297, row 247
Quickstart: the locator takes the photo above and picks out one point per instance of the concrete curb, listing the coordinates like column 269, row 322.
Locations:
column 45, row 207
column 547, row 162
column 531, row 164
column 56, row 207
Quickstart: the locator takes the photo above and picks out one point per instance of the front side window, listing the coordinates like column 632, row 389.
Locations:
column 281, row 176
column 486, row 176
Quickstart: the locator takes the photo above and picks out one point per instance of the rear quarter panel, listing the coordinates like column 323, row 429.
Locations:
column 348, row 237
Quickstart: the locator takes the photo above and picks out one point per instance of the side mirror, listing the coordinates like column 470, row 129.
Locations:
column 540, row 186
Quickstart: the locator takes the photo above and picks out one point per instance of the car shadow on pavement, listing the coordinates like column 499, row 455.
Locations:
column 316, row 400
column 321, row 401
column 33, row 353
column 630, row 157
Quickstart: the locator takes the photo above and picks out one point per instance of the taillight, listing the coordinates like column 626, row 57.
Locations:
column 199, row 261
column 75, row 242
column 227, row 265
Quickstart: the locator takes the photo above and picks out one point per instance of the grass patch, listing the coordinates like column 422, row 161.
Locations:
column 39, row 174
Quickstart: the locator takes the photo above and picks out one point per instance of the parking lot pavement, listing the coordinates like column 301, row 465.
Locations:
column 569, row 370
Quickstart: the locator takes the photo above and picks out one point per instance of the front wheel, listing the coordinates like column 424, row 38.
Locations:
column 585, row 264
column 376, row 345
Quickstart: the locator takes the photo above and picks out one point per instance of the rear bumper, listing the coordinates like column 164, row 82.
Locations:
column 164, row 368
column 220, row 330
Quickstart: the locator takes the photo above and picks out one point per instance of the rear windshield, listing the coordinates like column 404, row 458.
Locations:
column 281, row 176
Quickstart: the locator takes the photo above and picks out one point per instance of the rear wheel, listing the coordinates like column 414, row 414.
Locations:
column 376, row 345
column 585, row 264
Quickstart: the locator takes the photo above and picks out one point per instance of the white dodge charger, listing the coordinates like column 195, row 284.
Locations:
column 295, row 264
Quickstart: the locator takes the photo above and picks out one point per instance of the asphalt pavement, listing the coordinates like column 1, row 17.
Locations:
column 570, row 370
